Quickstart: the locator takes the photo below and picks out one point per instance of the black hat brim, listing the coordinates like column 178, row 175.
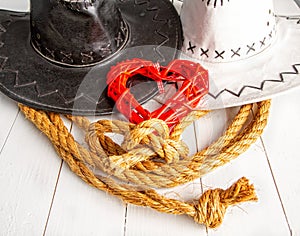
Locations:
column 25, row 76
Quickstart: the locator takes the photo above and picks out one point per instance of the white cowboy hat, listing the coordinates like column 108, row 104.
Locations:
column 250, row 51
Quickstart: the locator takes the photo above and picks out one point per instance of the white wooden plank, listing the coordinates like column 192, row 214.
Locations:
column 286, row 7
column 144, row 221
column 282, row 139
column 22, row 215
column 177, row 4
column 15, row 5
column 79, row 209
column 263, row 218
column 28, row 172
column 210, row 127
column 8, row 114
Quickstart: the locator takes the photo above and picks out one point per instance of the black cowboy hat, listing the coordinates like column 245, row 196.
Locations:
column 48, row 55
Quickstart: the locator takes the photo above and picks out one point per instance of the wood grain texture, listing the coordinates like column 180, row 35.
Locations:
column 146, row 222
column 282, row 141
column 28, row 172
column 79, row 209
column 40, row 195
column 15, row 5
column 286, row 7
column 8, row 115
column 265, row 217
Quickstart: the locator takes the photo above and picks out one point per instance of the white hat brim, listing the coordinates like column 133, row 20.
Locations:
column 263, row 76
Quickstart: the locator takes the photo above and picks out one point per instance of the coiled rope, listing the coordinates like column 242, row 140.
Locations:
column 152, row 156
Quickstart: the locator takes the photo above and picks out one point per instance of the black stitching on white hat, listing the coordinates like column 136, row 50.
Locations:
column 271, row 34
column 204, row 52
column 219, row 54
column 191, row 47
column 263, row 42
column 235, row 52
column 215, row 2
column 250, row 48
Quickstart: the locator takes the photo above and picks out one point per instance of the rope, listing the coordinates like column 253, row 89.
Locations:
column 152, row 155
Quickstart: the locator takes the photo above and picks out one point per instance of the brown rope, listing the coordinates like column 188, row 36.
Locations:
column 151, row 155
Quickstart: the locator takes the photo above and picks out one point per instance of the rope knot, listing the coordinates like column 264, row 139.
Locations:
column 145, row 146
column 154, row 133
column 212, row 205
column 150, row 140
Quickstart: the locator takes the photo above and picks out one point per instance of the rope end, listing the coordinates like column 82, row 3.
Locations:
column 213, row 204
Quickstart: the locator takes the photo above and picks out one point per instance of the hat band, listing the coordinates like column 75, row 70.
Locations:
column 82, row 58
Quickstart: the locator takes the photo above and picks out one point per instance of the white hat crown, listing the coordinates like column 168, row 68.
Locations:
column 227, row 30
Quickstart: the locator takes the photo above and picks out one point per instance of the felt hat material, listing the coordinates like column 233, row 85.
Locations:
column 57, row 56
column 250, row 51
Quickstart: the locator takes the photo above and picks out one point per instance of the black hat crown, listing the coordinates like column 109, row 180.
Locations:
column 47, row 56
column 77, row 33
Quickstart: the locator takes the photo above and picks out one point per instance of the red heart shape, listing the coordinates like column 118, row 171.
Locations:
column 191, row 76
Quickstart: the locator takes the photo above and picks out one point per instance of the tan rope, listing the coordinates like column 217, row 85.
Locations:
column 151, row 155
